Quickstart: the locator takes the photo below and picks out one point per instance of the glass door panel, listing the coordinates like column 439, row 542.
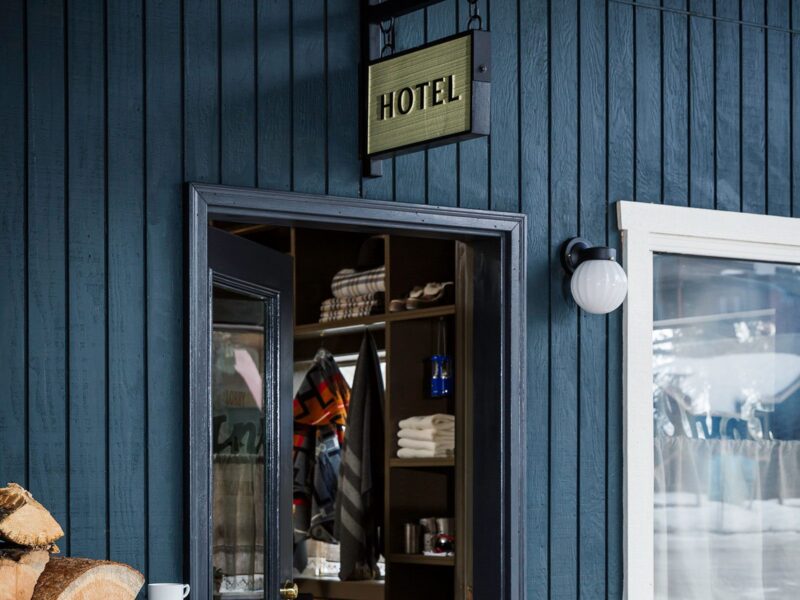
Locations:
column 726, row 410
column 238, row 358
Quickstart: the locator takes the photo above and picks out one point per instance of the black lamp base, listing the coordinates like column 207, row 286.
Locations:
column 576, row 250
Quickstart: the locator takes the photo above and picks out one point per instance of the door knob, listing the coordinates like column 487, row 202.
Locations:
column 290, row 591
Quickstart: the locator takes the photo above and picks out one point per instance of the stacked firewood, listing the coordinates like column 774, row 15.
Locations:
column 28, row 533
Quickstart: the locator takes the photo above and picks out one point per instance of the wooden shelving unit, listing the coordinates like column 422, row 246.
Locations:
column 414, row 488
column 421, row 487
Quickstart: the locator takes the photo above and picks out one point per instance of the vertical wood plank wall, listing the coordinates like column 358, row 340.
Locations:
column 107, row 108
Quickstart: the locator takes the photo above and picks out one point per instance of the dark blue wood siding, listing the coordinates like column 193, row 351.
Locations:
column 86, row 274
column 47, row 248
column 163, row 210
column 13, row 236
column 107, row 108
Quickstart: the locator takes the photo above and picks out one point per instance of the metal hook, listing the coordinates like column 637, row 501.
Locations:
column 475, row 20
column 387, row 28
column 388, row 37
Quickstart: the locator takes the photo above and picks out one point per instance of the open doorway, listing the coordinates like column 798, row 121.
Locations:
column 442, row 294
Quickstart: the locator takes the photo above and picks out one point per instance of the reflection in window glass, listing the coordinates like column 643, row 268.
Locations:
column 237, row 397
column 726, row 410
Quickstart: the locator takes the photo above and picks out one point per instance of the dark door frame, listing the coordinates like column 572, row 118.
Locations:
column 500, row 243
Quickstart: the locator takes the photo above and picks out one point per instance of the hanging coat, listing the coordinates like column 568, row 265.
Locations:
column 320, row 411
column 359, row 505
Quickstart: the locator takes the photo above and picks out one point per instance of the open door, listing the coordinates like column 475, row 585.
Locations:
column 247, row 405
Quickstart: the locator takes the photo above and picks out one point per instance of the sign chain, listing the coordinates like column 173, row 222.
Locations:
column 475, row 20
column 387, row 31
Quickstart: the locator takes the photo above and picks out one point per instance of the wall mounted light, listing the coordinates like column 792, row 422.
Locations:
column 599, row 283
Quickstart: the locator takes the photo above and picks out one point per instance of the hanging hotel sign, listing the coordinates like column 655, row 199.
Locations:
column 434, row 95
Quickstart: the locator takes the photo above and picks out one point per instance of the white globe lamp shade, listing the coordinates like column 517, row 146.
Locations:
column 599, row 286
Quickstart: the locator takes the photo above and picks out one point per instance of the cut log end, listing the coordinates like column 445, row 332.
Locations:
column 24, row 521
column 19, row 571
column 84, row 579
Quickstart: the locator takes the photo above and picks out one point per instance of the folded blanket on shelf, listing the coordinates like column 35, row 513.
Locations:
column 348, row 307
column 429, row 435
column 417, row 453
column 352, row 302
column 349, row 282
column 423, row 445
column 440, row 422
column 329, row 317
column 335, row 309
column 337, row 315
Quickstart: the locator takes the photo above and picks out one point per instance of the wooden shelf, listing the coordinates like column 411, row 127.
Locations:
column 346, row 326
column 333, row 589
column 421, row 463
column 421, row 559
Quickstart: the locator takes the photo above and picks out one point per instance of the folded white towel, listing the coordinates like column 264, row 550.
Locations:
column 431, row 435
column 417, row 453
column 425, row 445
column 439, row 422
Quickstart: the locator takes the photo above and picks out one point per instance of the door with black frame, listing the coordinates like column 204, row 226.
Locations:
column 239, row 392
column 250, row 339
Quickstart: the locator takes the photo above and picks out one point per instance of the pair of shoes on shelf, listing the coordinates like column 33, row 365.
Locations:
column 420, row 296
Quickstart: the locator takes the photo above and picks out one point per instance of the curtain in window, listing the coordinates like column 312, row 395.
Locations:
column 727, row 518
column 238, row 550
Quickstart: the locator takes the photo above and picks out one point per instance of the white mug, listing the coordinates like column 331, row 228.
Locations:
column 167, row 591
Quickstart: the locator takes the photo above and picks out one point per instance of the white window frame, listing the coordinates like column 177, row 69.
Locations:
column 647, row 229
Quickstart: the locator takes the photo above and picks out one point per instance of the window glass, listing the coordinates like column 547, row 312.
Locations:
column 237, row 397
column 726, row 410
